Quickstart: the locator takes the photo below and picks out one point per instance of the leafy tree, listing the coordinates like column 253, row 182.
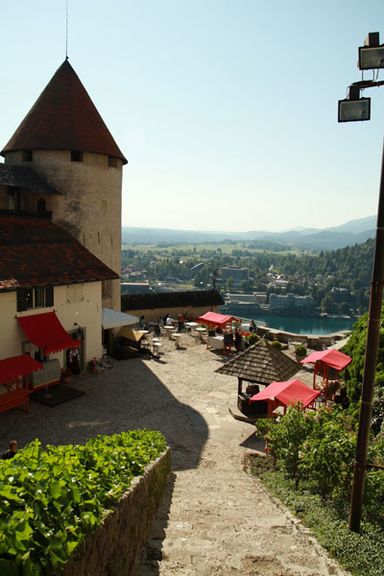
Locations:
column 353, row 374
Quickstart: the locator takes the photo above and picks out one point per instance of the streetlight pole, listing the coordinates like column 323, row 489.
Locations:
column 371, row 56
column 371, row 350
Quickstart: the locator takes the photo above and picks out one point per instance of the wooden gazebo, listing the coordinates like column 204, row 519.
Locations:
column 259, row 364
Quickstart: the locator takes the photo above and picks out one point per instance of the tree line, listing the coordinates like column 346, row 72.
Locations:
column 338, row 281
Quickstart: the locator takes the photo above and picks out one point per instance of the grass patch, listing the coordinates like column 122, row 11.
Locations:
column 361, row 554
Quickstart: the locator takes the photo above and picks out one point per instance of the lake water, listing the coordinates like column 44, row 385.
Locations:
column 305, row 325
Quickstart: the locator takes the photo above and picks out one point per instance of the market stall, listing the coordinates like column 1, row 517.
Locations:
column 14, row 374
column 286, row 394
column 220, row 333
column 47, row 333
column 328, row 363
column 214, row 320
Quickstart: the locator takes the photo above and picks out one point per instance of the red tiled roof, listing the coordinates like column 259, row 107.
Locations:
column 36, row 252
column 64, row 118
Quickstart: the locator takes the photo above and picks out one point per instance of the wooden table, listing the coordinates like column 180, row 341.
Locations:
column 191, row 325
column 156, row 345
column 201, row 332
column 169, row 330
column 176, row 336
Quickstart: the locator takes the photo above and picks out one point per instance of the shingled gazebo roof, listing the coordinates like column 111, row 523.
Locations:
column 262, row 364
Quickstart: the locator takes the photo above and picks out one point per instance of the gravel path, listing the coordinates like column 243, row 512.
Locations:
column 215, row 520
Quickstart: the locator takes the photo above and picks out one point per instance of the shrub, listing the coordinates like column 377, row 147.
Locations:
column 316, row 447
column 263, row 426
column 286, row 437
column 252, row 339
column 52, row 499
column 300, row 351
column 276, row 345
column 327, row 454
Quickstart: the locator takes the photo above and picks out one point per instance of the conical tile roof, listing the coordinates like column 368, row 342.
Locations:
column 261, row 363
column 64, row 118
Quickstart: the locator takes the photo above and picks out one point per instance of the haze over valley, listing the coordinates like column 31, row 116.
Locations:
column 316, row 239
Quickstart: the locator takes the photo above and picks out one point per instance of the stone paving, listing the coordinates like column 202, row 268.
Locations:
column 215, row 519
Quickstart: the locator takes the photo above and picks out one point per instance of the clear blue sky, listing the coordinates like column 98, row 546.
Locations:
column 225, row 109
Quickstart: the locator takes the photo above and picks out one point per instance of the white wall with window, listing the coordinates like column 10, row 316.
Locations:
column 78, row 306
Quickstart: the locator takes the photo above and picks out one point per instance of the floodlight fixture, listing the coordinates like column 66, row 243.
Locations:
column 371, row 58
column 371, row 55
column 354, row 110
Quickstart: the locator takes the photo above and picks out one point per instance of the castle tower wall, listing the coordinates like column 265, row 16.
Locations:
column 89, row 205
column 65, row 140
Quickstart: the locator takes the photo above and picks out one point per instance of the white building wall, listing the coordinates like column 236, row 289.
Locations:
column 76, row 305
column 80, row 305
column 10, row 333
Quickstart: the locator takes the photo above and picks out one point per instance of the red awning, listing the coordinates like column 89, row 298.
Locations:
column 47, row 332
column 287, row 393
column 332, row 358
column 215, row 319
column 11, row 368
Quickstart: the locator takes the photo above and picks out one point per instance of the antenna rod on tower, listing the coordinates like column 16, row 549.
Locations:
column 66, row 29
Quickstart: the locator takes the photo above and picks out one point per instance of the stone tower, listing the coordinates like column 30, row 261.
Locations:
column 65, row 140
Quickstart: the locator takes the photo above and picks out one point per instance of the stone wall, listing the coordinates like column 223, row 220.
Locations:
column 154, row 314
column 114, row 548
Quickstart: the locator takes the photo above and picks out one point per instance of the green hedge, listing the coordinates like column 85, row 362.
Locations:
column 52, row 498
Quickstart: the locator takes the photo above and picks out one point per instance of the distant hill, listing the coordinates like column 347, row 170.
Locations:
column 347, row 234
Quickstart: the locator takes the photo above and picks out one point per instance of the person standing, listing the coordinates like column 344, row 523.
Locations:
column 238, row 340
column 11, row 452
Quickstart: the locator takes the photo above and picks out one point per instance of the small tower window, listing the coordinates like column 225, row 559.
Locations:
column 27, row 155
column 112, row 161
column 76, row 156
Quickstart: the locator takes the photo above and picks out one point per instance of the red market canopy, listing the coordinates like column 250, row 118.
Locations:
column 331, row 358
column 47, row 332
column 12, row 368
column 287, row 393
column 215, row 319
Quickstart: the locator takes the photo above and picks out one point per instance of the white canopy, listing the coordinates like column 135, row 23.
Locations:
column 115, row 319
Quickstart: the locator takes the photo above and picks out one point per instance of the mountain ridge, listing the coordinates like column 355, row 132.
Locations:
column 351, row 232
